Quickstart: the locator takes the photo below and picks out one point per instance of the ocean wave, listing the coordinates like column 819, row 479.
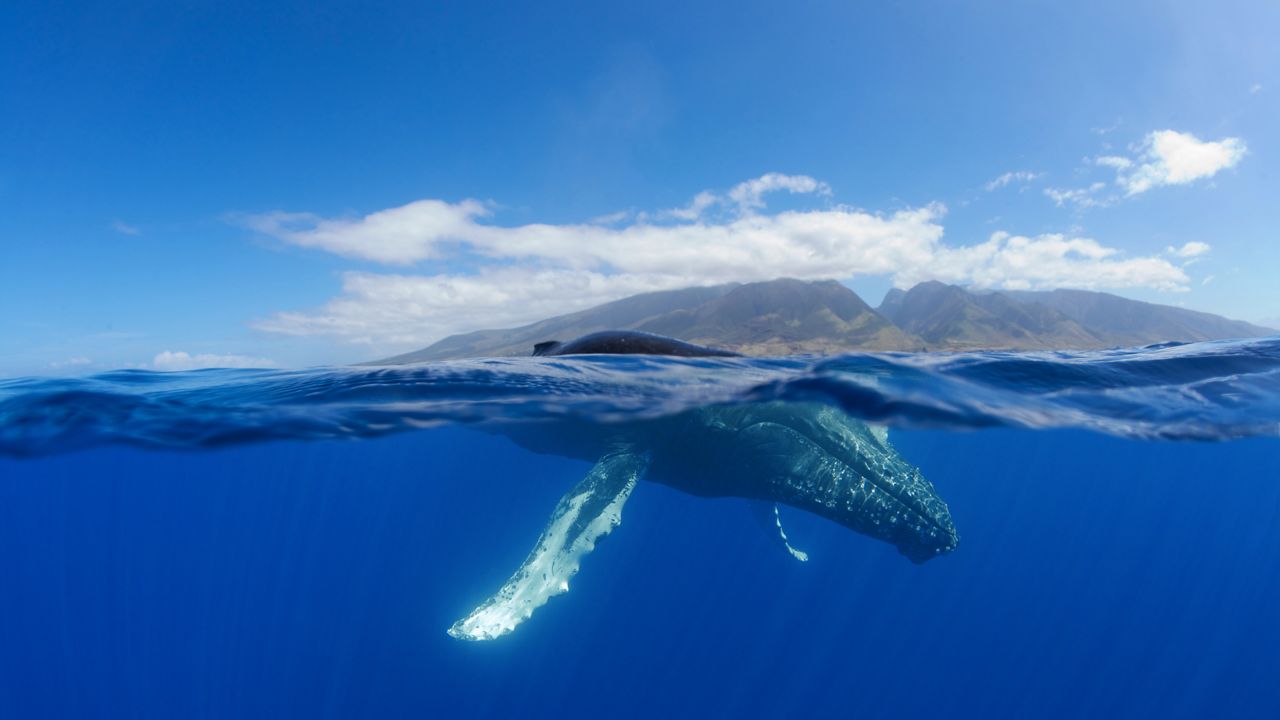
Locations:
column 1203, row 391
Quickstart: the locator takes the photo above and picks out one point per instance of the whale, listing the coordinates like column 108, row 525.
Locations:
column 805, row 456
column 627, row 342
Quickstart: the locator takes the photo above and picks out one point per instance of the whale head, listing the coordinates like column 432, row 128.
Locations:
column 903, row 510
column 840, row 469
column 818, row 459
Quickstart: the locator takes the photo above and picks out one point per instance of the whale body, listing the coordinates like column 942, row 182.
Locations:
column 628, row 342
column 807, row 456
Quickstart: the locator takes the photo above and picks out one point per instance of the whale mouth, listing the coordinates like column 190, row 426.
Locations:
column 914, row 519
column 932, row 531
column 938, row 539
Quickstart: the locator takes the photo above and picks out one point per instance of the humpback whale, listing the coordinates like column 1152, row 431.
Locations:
column 807, row 456
column 628, row 342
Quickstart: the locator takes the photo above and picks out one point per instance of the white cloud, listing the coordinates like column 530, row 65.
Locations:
column 401, row 235
column 73, row 362
column 395, row 310
column 1169, row 157
column 700, row 204
column 745, row 197
column 1255, row 88
column 1165, row 157
column 1081, row 198
column 1013, row 176
column 1114, row 161
column 1192, row 249
column 529, row 272
column 749, row 195
column 612, row 218
column 429, row 229
column 1016, row 262
column 171, row 361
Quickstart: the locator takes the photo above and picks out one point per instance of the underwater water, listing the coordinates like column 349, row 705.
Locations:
column 239, row 543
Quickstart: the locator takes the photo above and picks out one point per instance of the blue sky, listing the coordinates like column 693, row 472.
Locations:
column 222, row 183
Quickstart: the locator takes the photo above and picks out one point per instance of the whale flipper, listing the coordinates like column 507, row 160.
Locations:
column 585, row 514
column 879, row 432
column 770, row 520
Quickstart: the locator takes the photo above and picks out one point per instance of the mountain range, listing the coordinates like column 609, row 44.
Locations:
column 785, row 316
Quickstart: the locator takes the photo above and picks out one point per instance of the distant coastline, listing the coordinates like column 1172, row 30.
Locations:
column 786, row 316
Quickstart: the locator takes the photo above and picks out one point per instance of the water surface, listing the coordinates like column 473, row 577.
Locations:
column 295, row 543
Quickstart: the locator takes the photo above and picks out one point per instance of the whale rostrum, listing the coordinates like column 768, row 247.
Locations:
column 807, row 456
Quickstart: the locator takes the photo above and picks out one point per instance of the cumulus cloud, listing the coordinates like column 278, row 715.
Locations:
column 730, row 246
column 394, row 310
column 427, row 229
column 1164, row 157
column 1011, row 177
column 506, row 276
column 171, row 361
column 745, row 197
column 401, row 235
column 1168, row 157
column 406, row 310
column 749, row 195
column 1043, row 262
column 1192, row 249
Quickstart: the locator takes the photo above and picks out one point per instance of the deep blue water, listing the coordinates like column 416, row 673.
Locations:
column 1119, row 516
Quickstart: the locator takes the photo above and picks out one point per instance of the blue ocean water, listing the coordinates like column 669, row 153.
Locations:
column 234, row 543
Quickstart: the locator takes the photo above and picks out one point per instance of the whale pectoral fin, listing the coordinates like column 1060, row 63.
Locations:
column 771, row 520
column 585, row 514
column 880, row 432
